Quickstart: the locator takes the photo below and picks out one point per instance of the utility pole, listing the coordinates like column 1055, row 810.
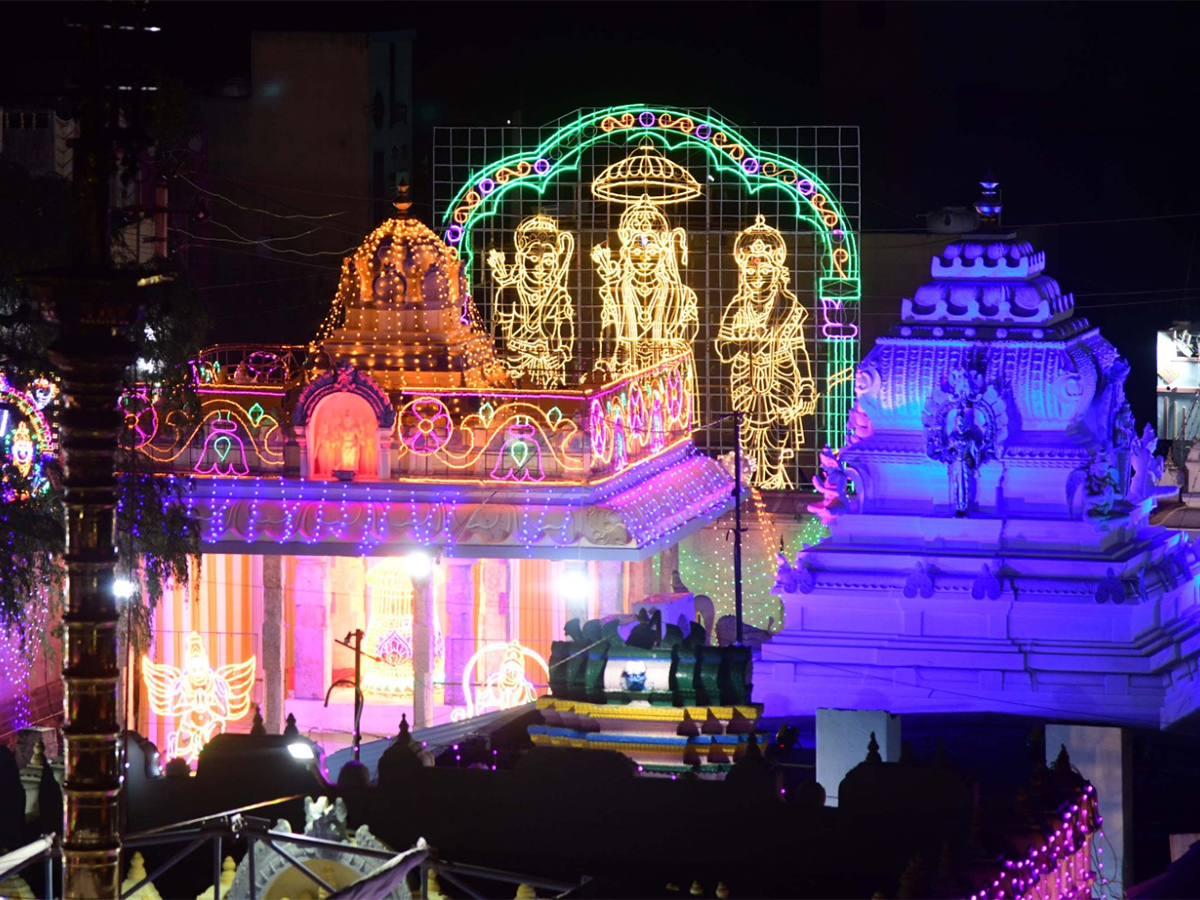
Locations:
column 737, row 524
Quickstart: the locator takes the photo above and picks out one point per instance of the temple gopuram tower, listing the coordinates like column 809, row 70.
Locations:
column 994, row 552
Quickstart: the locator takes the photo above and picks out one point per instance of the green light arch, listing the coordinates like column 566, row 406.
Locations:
column 838, row 284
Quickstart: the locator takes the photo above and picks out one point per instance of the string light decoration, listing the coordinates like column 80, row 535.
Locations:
column 1060, row 866
column 404, row 313
column 26, row 440
column 743, row 172
column 389, row 635
column 506, row 687
column 762, row 340
column 648, row 313
column 227, row 441
column 201, row 698
column 539, row 325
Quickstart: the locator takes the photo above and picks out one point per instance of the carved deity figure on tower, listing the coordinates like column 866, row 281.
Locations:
column 966, row 425
column 538, row 323
column 761, row 339
column 647, row 314
column 964, row 455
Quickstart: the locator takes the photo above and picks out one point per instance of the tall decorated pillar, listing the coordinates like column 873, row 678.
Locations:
column 312, row 642
column 274, row 653
column 610, row 587
column 460, row 633
column 91, row 309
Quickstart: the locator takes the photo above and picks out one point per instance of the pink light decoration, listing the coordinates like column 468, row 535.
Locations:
column 425, row 425
column 224, row 452
column 833, row 328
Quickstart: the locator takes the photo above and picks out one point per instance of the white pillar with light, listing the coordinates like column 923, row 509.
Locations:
column 420, row 568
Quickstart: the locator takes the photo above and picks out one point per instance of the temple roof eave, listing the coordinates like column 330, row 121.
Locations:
column 334, row 519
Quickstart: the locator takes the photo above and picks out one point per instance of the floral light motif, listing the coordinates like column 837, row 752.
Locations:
column 203, row 699
column 762, row 340
column 425, row 425
column 538, row 326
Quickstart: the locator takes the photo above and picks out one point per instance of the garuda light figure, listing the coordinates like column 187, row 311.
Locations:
column 203, row 698
column 761, row 338
column 539, row 323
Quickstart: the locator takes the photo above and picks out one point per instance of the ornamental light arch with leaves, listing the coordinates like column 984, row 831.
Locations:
column 805, row 196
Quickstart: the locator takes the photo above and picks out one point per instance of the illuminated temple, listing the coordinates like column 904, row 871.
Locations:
column 313, row 483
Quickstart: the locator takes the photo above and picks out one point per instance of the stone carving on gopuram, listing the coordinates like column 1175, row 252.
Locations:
column 991, row 434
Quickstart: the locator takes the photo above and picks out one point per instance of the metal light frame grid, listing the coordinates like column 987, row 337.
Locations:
column 831, row 153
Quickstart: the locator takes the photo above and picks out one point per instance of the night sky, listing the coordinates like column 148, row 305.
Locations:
column 1085, row 112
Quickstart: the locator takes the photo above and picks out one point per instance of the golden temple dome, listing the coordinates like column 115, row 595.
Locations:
column 646, row 173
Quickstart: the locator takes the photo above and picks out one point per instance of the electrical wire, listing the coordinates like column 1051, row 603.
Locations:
column 265, row 212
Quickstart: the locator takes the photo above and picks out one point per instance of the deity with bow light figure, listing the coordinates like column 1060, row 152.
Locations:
column 201, row 697
column 761, row 339
column 647, row 314
column 539, row 323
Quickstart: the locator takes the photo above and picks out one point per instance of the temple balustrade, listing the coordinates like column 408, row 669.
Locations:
column 268, row 411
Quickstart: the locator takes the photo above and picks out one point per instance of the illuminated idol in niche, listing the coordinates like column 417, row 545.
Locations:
column 761, row 339
column 538, row 324
column 647, row 312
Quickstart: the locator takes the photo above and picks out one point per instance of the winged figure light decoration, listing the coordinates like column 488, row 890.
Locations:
column 200, row 697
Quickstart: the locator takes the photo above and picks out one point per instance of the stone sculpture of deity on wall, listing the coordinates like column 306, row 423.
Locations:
column 538, row 324
column 647, row 311
column 761, row 339
column 966, row 423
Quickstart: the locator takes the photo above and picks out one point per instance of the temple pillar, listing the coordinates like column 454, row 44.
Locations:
column 843, row 736
column 668, row 564
column 610, row 587
column 460, row 625
column 273, row 650
column 493, row 613
column 311, row 641
column 639, row 581
column 424, row 613
column 1104, row 757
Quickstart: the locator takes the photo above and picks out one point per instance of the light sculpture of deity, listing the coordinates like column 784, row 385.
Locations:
column 539, row 323
column 647, row 309
column 647, row 313
column 507, row 687
column 761, row 339
column 201, row 697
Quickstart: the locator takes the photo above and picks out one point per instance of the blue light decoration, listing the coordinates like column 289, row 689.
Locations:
column 996, row 553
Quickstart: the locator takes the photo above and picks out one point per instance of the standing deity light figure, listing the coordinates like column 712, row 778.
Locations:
column 203, row 699
column 762, row 340
column 390, row 629
column 539, row 324
column 647, row 312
